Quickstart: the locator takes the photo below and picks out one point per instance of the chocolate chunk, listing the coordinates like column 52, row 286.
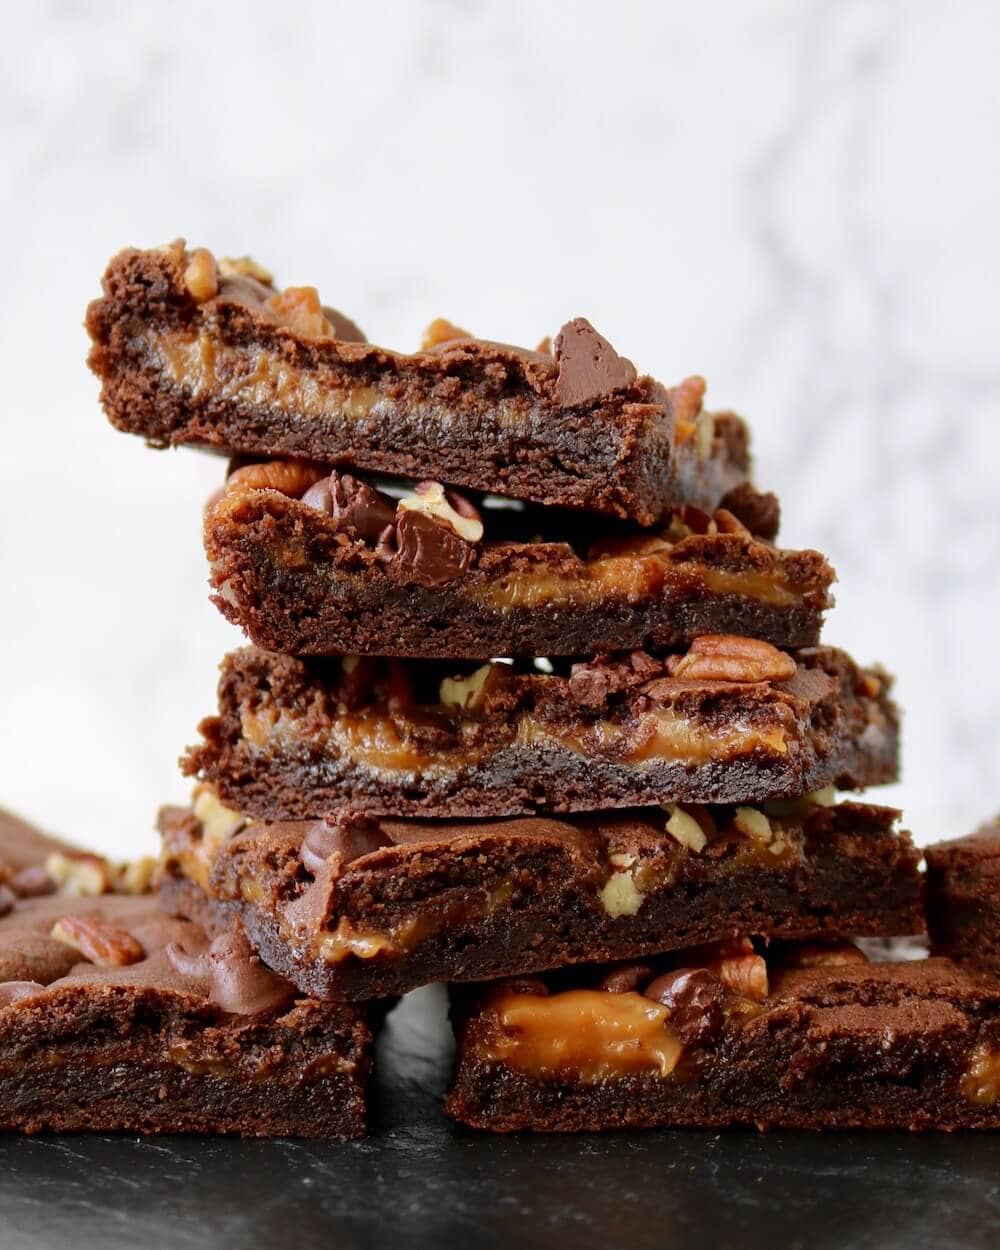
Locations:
column 589, row 366
column 759, row 511
column 346, row 836
column 7, row 900
column 422, row 550
column 590, row 685
column 237, row 980
column 694, row 998
column 344, row 328
column 13, row 991
column 358, row 508
column 626, row 979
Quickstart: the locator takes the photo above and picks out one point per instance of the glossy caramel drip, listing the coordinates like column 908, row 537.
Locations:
column 590, row 1034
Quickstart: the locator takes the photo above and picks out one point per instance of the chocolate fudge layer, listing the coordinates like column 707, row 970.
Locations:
column 315, row 563
column 115, row 1016
column 732, row 720
column 810, row 1038
column 361, row 907
column 963, row 896
column 189, row 350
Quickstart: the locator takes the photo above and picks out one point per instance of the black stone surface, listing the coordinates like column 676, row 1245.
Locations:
column 420, row 1182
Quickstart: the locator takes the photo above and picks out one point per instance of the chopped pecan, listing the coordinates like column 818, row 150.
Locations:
column 738, row 967
column 441, row 331
column 105, row 945
column 685, row 401
column 299, row 308
column 290, row 477
column 81, row 875
column 447, row 506
column 201, row 277
column 822, row 955
column 730, row 657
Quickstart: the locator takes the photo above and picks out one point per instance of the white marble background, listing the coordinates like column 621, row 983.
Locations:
column 799, row 200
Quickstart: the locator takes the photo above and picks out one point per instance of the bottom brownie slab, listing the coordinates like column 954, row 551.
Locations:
column 963, row 897
column 115, row 1016
column 812, row 1037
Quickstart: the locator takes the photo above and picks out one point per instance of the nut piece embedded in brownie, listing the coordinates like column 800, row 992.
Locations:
column 114, row 1015
column 360, row 907
column 963, row 897
column 729, row 721
column 190, row 350
column 803, row 1036
column 315, row 563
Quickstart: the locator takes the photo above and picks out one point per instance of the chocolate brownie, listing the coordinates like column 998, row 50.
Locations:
column 732, row 720
column 193, row 351
column 114, row 1015
column 806, row 1037
column 963, row 896
column 361, row 907
column 315, row 563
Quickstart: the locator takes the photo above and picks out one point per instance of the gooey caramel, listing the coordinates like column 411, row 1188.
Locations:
column 592, row 1034
column 371, row 739
column 631, row 578
column 981, row 1082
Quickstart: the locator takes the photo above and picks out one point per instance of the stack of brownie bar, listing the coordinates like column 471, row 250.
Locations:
column 535, row 707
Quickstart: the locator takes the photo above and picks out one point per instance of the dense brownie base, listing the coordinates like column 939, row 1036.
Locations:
column 897, row 1045
column 296, row 739
column 963, row 897
column 235, row 366
column 365, row 909
column 115, row 1016
column 302, row 582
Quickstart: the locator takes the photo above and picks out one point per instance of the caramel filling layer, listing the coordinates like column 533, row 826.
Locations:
column 592, row 1034
column 631, row 578
column 347, row 939
column 371, row 740
column 981, row 1082
column 256, row 376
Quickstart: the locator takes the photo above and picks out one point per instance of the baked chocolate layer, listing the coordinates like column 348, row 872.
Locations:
column 963, row 897
column 348, row 570
column 115, row 1016
column 733, row 720
column 808, row 1038
column 191, row 351
column 362, row 908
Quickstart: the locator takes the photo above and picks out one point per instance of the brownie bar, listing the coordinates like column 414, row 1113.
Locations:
column 811, row 1037
column 193, row 351
column 963, row 896
column 115, row 1016
column 311, row 563
column 358, row 908
column 733, row 720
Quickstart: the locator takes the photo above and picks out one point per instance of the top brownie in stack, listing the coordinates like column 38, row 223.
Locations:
column 194, row 351
column 674, row 540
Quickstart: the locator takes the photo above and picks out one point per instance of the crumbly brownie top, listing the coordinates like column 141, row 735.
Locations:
column 431, row 534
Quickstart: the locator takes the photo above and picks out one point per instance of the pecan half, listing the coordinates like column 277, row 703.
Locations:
column 291, row 477
column 102, row 944
column 730, row 657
